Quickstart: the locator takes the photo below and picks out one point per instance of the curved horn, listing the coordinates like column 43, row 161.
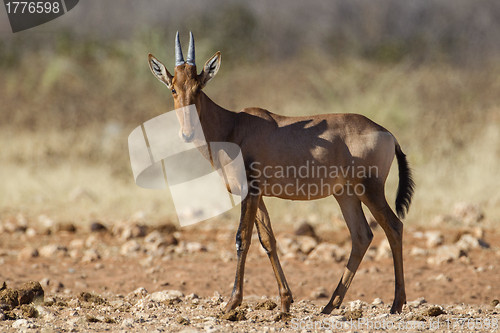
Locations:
column 179, row 58
column 190, row 56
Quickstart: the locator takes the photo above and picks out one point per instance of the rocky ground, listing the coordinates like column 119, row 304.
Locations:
column 131, row 276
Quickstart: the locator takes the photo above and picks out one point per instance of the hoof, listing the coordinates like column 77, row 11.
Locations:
column 232, row 304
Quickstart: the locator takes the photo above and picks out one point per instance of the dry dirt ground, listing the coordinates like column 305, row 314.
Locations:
column 133, row 277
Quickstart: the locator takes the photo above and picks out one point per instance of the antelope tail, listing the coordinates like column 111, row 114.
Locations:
column 406, row 185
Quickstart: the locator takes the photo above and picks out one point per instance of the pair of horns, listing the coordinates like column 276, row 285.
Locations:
column 179, row 58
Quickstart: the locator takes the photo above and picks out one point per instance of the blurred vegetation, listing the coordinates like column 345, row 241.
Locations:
column 427, row 70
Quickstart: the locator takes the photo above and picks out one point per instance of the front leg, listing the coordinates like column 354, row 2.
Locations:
column 243, row 238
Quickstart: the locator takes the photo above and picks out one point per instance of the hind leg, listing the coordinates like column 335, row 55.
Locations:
column 266, row 237
column 393, row 228
column 361, row 237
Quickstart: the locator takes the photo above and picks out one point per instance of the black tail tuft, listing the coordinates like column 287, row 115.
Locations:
column 406, row 184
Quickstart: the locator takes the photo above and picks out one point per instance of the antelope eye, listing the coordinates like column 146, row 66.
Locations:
column 173, row 91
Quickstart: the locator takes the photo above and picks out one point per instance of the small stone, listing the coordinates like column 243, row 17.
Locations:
column 46, row 222
column 306, row 244
column 353, row 314
column 128, row 322
column 98, row 227
column 28, row 311
column 183, row 320
column 416, row 303
column 91, row 319
column 141, row 291
column 468, row 242
column 287, row 244
column 77, row 244
column 320, row 292
column 235, row 315
column 130, row 247
column 383, row 250
column 377, row 301
column 9, row 297
column 91, row 298
column 434, row 238
column 167, row 295
column 418, row 252
column 193, row 247
column 327, row 252
column 192, row 296
column 283, row 316
column 53, row 250
column 356, row 305
column 66, row 227
column 90, row 255
column 468, row 214
column 433, row 311
column 28, row 253
column 446, row 253
column 92, row 241
column 134, row 231
column 495, row 302
column 20, row 323
column 31, row 232
column 266, row 305
column 153, row 237
column 442, row 277
column 30, row 292
column 305, row 229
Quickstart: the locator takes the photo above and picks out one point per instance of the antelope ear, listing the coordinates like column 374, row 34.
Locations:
column 210, row 68
column 159, row 71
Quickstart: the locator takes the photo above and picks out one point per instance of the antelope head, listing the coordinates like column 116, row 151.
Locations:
column 186, row 84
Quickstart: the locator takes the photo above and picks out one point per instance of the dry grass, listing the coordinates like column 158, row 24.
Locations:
column 64, row 127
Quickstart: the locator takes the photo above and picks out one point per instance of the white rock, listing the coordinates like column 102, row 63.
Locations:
column 469, row 214
column 141, row 291
column 193, row 247
column 77, row 243
column 287, row 244
column 337, row 318
column 306, row 244
column 377, row 301
column 468, row 242
column 416, row 303
column 192, row 296
column 20, row 323
column 166, row 295
column 356, row 305
column 434, row 238
column 383, row 250
column 46, row 222
column 28, row 253
column 45, row 313
column 153, row 237
column 327, row 252
column 92, row 241
column 91, row 255
column 130, row 247
column 128, row 322
column 442, row 277
column 30, row 232
column 53, row 250
column 446, row 253
column 418, row 252
column 381, row 317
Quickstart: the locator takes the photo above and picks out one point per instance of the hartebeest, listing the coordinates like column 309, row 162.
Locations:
column 352, row 156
